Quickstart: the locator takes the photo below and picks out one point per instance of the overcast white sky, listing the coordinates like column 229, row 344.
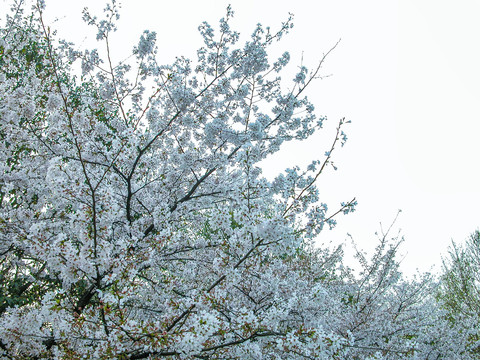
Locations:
column 406, row 73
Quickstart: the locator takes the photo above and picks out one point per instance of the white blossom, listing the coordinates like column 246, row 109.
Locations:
column 135, row 221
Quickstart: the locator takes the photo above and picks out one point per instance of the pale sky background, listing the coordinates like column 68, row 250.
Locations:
column 406, row 73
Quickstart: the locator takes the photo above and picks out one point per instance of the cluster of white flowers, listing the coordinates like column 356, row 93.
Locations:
column 137, row 225
column 146, row 45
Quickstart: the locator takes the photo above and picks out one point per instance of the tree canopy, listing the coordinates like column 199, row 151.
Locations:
column 135, row 222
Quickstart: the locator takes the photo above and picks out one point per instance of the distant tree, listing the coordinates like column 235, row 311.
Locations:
column 461, row 277
column 135, row 223
column 460, row 285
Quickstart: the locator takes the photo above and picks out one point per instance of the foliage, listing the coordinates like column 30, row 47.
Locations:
column 460, row 290
column 135, row 222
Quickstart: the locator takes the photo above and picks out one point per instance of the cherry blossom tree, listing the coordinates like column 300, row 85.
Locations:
column 135, row 222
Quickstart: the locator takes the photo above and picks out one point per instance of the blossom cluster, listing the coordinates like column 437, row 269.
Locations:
column 136, row 224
